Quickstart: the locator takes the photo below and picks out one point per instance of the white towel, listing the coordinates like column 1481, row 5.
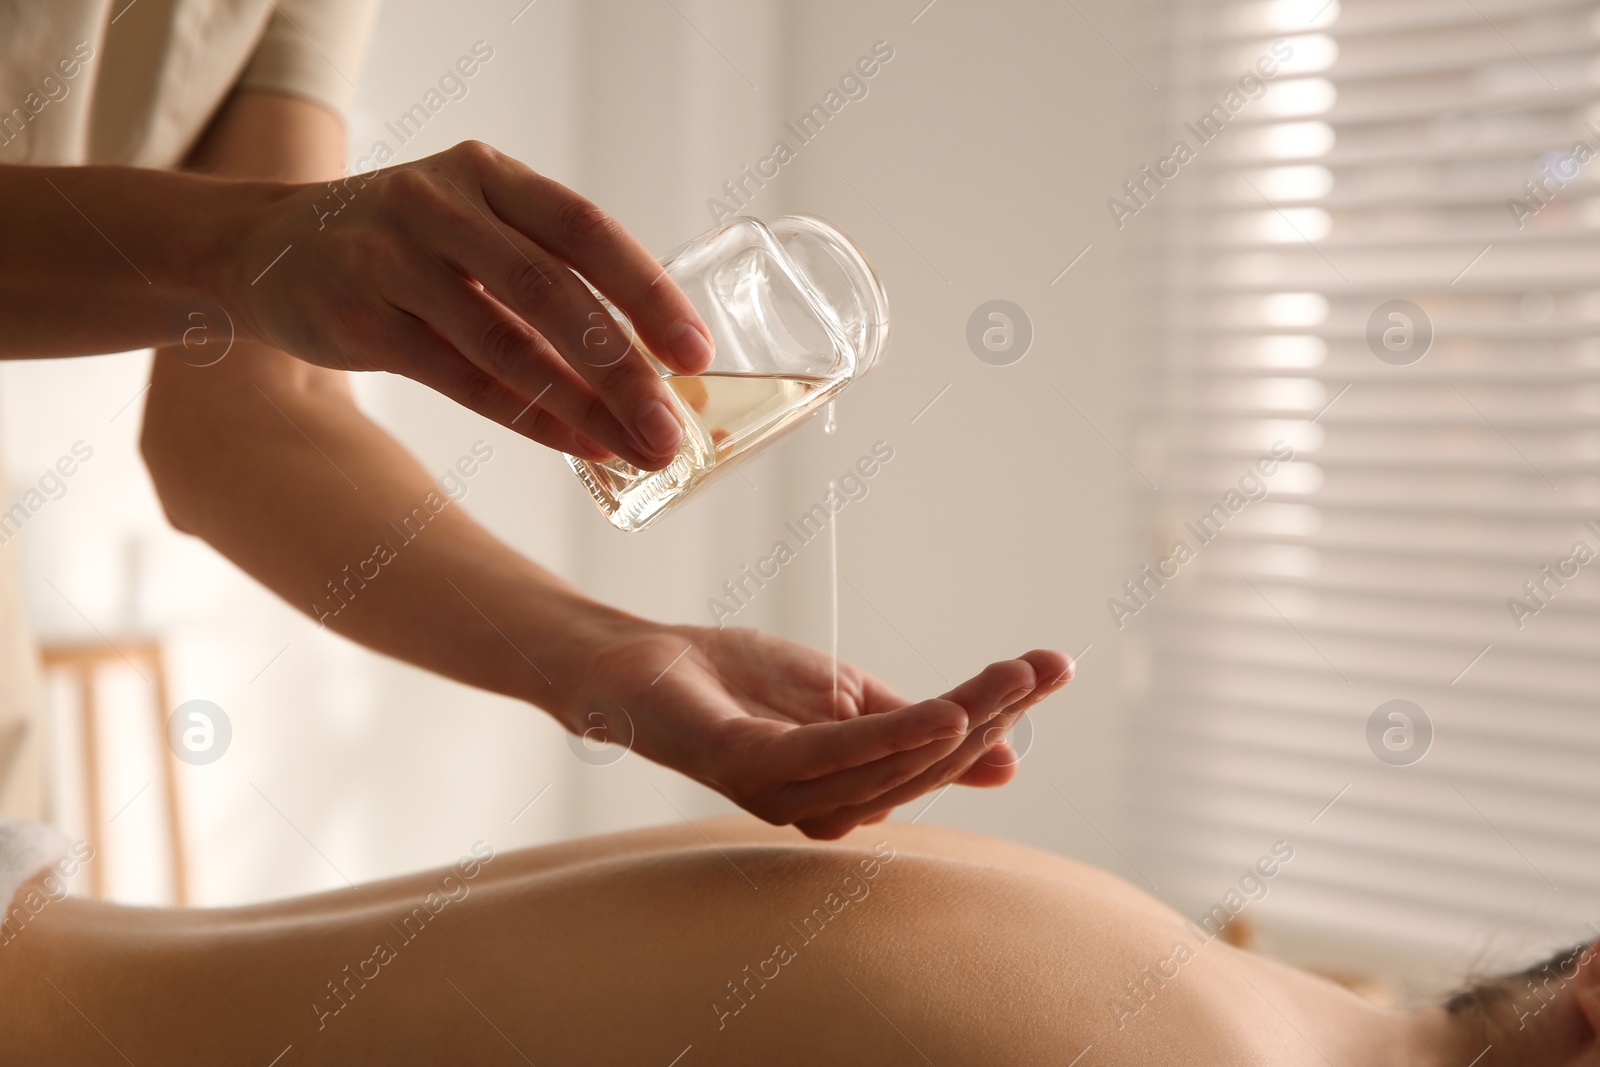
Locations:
column 26, row 848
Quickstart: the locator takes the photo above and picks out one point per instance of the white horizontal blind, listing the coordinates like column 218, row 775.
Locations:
column 1380, row 165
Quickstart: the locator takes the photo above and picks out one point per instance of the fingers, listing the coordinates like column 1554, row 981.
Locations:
column 994, row 768
column 1054, row 670
column 982, row 698
column 993, row 688
column 984, row 739
column 823, row 748
column 598, row 247
column 425, row 357
column 484, row 251
column 1051, row 671
column 539, row 289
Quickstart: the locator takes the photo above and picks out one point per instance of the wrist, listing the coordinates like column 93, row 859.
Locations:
column 234, row 243
column 572, row 642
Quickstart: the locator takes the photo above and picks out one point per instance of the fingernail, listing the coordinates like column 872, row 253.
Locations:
column 689, row 347
column 658, row 429
column 1014, row 697
column 948, row 732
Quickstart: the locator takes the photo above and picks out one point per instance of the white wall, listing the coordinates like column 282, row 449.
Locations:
column 976, row 168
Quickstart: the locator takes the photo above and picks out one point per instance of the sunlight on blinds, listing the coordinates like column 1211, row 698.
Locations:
column 1378, row 435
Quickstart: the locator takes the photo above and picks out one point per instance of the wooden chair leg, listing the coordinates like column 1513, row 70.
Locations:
column 89, row 718
column 83, row 664
column 169, row 766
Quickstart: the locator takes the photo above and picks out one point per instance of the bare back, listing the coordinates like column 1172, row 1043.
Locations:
column 732, row 943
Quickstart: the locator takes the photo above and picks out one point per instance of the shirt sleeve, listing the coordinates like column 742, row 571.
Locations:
column 313, row 49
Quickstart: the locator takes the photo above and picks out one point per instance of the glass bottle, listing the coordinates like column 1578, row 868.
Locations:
column 796, row 313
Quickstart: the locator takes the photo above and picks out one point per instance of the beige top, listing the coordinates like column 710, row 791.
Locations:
column 135, row 82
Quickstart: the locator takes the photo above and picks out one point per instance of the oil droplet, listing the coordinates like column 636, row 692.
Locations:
column 830, row 427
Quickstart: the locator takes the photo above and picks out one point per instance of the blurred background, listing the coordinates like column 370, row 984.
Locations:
column 1342, row 346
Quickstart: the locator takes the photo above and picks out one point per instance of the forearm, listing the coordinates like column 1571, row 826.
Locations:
column 278, row 470
column 268, row 459
column 106, row 259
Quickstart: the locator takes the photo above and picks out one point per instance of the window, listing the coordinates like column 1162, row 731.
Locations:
column 1383, row 288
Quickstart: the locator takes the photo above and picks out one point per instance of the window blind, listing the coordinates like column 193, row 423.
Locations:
column 1445, row 468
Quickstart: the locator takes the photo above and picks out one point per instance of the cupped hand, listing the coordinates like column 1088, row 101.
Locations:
column 462, row 271
column 757, row 718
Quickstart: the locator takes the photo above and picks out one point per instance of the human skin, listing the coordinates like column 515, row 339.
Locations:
column 269, row 460
column 956, row 949
column 456, row 270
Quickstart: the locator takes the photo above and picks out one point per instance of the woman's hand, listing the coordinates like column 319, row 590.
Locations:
column 461, row 271
column 754, row 717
